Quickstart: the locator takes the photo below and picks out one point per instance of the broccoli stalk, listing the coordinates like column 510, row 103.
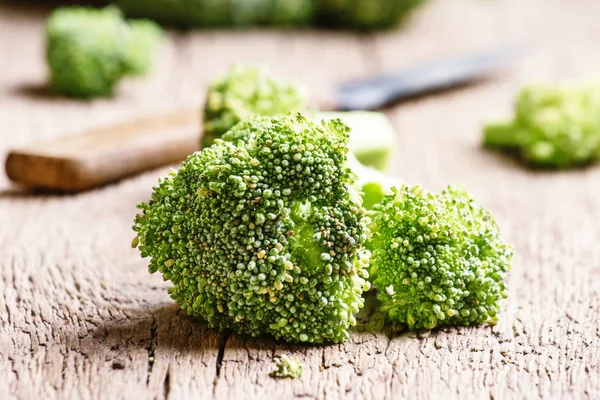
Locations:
column 374, row 184
column 501, row 135
column 89, row 50
column 264, row 235
column 372, row 139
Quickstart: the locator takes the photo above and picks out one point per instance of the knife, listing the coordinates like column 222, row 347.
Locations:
column 84, row 161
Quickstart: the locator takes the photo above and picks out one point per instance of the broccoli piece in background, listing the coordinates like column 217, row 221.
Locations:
column 243, row 92
column 438, row 258
column 287, row 367
column 553, row 127
column 365, row 14
column 217, row 13
column 375, row 185
column 264, row 236
column 372, row 139
column 89, row 50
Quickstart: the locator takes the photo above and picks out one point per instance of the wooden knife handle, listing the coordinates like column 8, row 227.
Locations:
column 80, row 162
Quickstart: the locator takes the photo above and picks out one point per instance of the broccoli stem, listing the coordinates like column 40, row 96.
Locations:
column 500, row 135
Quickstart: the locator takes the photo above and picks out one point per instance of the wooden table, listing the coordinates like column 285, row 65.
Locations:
column 80, row 317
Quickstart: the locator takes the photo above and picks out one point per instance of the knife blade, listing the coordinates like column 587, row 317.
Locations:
column 380, row 91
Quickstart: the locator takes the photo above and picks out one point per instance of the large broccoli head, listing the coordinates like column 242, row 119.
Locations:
column 243, row 92
column 266, row 235
column 89, row 50
column 438, row 258
column 555, row 127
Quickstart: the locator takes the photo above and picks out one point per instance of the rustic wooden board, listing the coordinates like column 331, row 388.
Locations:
column 81, row 318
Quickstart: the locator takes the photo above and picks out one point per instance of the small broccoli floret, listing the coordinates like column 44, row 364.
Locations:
column 243, row 92
column 365, row 14
column 553, row 127
column 265, row 235
column 89, row 50
column 439, row 258
column 287, row 367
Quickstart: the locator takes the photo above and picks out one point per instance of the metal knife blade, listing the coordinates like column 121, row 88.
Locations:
column 380, row 91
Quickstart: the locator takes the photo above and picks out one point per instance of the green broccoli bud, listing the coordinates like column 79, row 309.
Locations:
column 372, row 139
column 265, row 235
column 553, row 127
column 89, row 50
column 287, row 367
column 373, row 183
column 217, row 13
column 365, row 14
column 243, row 92
column 439, row 258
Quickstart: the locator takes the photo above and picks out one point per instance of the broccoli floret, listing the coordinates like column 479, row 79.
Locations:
column 438, row 257
column 264, row 236
column 287, row 367
column 373, row 183
column 89, row 50
column 243, row 92
column 365, row 14
column 553, row 127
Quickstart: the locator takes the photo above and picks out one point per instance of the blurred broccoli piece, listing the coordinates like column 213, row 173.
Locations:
column 438, row 258
column 375, row 185
column 372, row 139
column 245, row 91
column 89, row 50
column 553, row 127
column 365, row 14
column 215, row 13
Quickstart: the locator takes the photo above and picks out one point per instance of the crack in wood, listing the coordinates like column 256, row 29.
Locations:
column 167, row 384
column 223, row 338
column 151, row 348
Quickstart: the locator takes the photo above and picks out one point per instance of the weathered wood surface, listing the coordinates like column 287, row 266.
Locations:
column 81, row 318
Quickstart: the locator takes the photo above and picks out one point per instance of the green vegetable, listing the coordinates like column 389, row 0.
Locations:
column 372, row 139
column 249, row 90
column 365, row 14
column 553, row 127
column 438, row 258
column 374, row 184
column 89, row 50
column 215, row 13
column 265, row 235
column 287, row 367
column 243, row 92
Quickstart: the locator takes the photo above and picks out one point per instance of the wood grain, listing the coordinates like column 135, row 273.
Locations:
column 80, row 317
